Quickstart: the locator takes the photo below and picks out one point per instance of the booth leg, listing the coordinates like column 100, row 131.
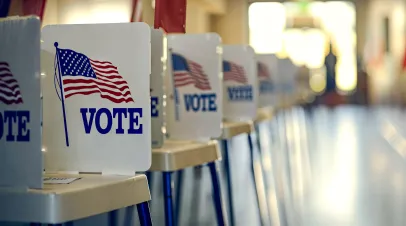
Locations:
column 144, row 214
column 218, row 204
column 167, row 181
column 226, row 160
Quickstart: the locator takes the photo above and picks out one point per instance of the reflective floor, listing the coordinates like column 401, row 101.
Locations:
column 325, row 167
column 342, row 167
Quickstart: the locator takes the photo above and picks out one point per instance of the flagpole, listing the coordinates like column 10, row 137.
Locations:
column 177, row 104
column 175, row 91
column 62, row 95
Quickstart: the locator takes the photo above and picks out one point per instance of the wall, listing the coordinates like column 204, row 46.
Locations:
column 361, row 7
column 51, row 13
column 384, row 68
column 93, row 11
column 197, row 18
column 233, row 25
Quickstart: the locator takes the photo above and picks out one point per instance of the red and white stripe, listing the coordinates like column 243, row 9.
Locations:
column 195, row 76
column 9, row 89
column 109, row 83
column 263, row 72
column 236, row 74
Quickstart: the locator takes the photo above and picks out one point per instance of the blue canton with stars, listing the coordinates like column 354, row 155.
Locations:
column 75, row 64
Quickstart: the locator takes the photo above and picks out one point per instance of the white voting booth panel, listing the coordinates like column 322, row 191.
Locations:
column 194, row 87
column 240, row 86
column 287, row 73
column 267, row 79
column 158, row 66
column 20, row 131
column 96, row 97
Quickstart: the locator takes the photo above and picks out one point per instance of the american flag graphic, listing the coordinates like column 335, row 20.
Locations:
column 84, row 76
column 234, row 72
column 188, row 72
column 9, row 88
column 263, row 72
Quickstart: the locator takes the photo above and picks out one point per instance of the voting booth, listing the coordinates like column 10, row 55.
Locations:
column 20, row 133
column 267, row 65
column 194, row 87
column 96, row 120
column 240, row 89
column 193, row 112
column 158, row 69
column 287, row 74
column 96, row 98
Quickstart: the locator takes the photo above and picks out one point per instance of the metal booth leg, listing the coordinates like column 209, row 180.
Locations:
column 227, row 171
column 143, row 214
column 167, row 181
column 113, row 218
column 218, row 204
column 149, row 178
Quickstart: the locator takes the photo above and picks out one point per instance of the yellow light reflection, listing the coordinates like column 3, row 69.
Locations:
column 317, row 82
column 296, row 50
column 314, row 50
column 346, row 78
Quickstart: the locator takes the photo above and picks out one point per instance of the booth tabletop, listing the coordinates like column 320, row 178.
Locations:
column 176, row 155
column 90, row 195
column 264, row 114
column 232, row 129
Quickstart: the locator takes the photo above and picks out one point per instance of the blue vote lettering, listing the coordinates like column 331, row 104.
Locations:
column 154, row 107
column 266, row 87
column 92, row 116
column 21, row 119
column 200, row 102
column 119, row 113
column 240, row 93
